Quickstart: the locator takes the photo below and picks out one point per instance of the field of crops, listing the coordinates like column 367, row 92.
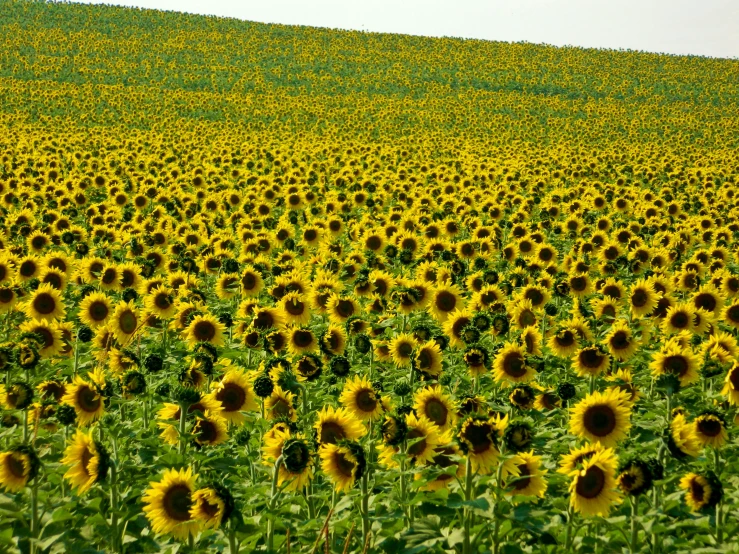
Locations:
column 281, row 289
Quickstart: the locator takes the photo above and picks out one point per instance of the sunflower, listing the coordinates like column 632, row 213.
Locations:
column 295, row 309
column 580, row 284
column 360, row 399
column 333, row 340
column 95, row 310
column 336, row 424
column 708, row 298
column 510, row 364
column 445, row 299
column 267, row 318
column 341, row 308
column 160, row 302
column 428, row 359
column 454, row 328
column 593, row 488
column 547, row 400
column 236, row 395
column 680, row 317
column 168, row 504
column 343, row 463
column 591, row 360
column 85, row 397
column 280, row 404
column 563, row 341
column 204, row 328
column 45, row 304
column 605, row 308
column 17, row 467
column 613, row 289
column 528, row 477
column 643, row 298
column 401, row 349
column 422, row 438
column 51, row 334
column 531, row 339
column 211, row 506
column 88, row 460
column 125, row 321
column 731, row 385
column 620, row 341
column 701, row 492
column 440, row 409
column 210, row 429
column 296, row 468
column 710, row 428
column 478, row 438
column 683, row 441
column 8, row 297
column 673, row 359
column 575, row 459
column 601, row 417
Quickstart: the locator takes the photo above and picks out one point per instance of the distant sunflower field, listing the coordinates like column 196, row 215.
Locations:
column 280, row 289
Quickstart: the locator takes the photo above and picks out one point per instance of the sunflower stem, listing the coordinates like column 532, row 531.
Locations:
column 233, row 547
column 183, row 422
column 76, row 363
column 634, row 527
column 466, row 547
column 365, row 506
column 34, row 514
column 114, row 503
column 592, row 384
column 272, row 498
column 568, row 529
column 25, row 426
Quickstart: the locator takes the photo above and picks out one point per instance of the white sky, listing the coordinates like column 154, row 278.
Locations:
column 701, row 27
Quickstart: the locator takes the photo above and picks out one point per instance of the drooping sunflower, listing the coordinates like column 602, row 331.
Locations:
column 593, row 488
column 682, row 440
column 510, row 365
column 591, row 360
column 361, row 399
column 673, row 359
column 211, row 506
column 85, row 398
column 432, row 403
column 205, row 328
column 445, row 299
column 620, row 341
column 45, row 304
column 125, row 321
column 344, row 463
column 702, row 492
column 601, row 417
column 710, row 428
column 643, row 298
column 531, row 339
column 88, row 461
column 18, row 466
column 168, row 504
column 529, row 480
column 401, row 349
column 236, row 395
column 477, row 436
column 428, row 359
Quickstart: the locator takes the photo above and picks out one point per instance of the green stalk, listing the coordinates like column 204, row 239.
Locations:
column 365, row 507
column 183, row 427
column 114, row 504
column 25, row 426
column 719, row 514
column 634, row 527
column 34, row 514
column 272, row 498
column 466, row 546
column 76, row 364
column 233, row 547
column 568, row 529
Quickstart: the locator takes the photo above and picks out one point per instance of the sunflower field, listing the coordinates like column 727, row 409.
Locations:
column 282, row 289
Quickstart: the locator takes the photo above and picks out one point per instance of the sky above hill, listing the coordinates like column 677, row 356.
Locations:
column 700, row 27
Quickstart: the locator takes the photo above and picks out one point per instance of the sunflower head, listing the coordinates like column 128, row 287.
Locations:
column 702, row 492
column 212, row 505
column 18, row 466
column 635, row 476
column 518, row 436
column 394, row 429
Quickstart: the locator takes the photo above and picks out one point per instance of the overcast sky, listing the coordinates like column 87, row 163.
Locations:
column 701, row 27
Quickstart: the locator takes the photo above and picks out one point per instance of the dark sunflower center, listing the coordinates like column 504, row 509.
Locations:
column 535, row 296
column 591, row 358
column 578, row 283
column 331, row 432
column 425, row 360
column 344, row 465
column 706, row 301
column 127, row 322
column 513, row 365
column 599, row 420
column 479, row 436
column 445, row 301
column 177, row 503
column 697, row 491
column 676, row 365
column 474, row 358
column 98, row 311
column 366, row 400
column 204, row 331
column 345, row 308
column 620, row 340
column 612, row 291
column 680, row 320
column 640, row 298
column 54, row 280
column 436, row 411
column 88, row 400
column 592, row 483
column 405, row 349
column 281, row 407
column 263, row 320
column 710, row 426
column 374, row 242
column 207, row 431
column 211, row 510
column 127, row 278
column 162, row 301
column 524, row 478
column 109, row 276
column 27, row 269
column 419, row 446
column 565, row 338
column 6, row 295
column 14, row 464
column 310, row 235
column 44, row 303
column 232, row 397
column 302, row 338
column 85, row 460
column 295, row 307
